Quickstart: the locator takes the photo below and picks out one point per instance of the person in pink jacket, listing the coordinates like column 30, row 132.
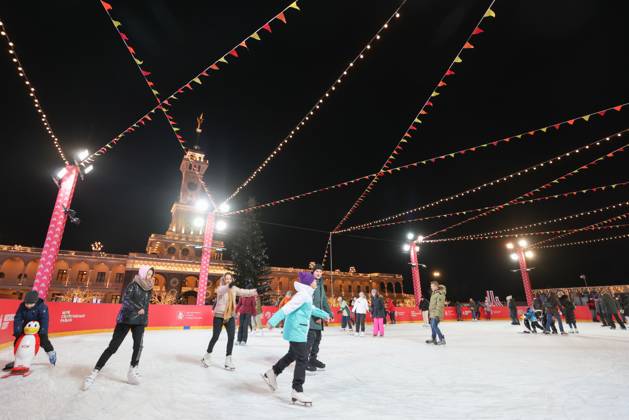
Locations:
column 246, row 309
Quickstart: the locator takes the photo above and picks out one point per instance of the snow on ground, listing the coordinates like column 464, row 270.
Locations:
column 487, row 370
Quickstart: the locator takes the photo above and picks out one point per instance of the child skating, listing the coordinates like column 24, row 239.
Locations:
column 296, row 316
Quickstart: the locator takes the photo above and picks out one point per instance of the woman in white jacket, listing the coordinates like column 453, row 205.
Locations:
column 361, row 307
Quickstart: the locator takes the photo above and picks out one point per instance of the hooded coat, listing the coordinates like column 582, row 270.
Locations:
column 320, row 300
column 608, row 304
column 23, row 316
column 567, row 308
column 377, row 307
column 137, row 296
column 297, row 314
column 436, row 308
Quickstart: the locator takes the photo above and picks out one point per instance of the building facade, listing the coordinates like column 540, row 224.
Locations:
column 175, row 255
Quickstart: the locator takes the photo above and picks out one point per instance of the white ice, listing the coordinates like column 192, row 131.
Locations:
column 487, row 370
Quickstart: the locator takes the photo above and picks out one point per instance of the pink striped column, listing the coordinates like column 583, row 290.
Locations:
column 206, row 255
column 52, row 244
column 417, row 287
column 525, row 277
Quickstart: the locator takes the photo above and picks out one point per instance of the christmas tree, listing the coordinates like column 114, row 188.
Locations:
column 249, row 255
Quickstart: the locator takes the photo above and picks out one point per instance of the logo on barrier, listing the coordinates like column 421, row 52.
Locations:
column 67, row 316
column 5, row 320
column 180, row 315
column 415, row 314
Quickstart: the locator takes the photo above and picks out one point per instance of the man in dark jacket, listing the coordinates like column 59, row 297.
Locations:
column 610, row 308
column 513, row 310
column 319, row 300
column 33, row 309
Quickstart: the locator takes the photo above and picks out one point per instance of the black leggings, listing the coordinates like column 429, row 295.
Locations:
column 120, row 332
column 360, row 322
column 297, row 352
column 230, row 326
column 243, row 328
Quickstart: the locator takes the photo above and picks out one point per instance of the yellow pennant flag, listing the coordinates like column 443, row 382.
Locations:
column 222, row 60
column 175, row 129
column 458, row 59
column 155, row 92
column 435, row 93
column 294, row 6
column 489, row 13
column 417, row 120
column 519, row 136
column 116, row 23
column 544, row 129
column 197, row 80
column 138, row 62
column 586, row 118
column 255, row 36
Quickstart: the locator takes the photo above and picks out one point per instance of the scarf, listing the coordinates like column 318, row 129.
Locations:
column 229, row 305
column 145, row 284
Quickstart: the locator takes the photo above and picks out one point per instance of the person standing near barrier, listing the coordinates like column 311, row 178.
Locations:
column 391, row 310
column 513, row 310
column 552, row 313
column 608, row 303
column 423, row 307
column 320, row 301
column 378, row 313
column 436, row 311
column 246, row 309
column 360, row 308
column 474, row 309
column 134, row 317
column 345, row 312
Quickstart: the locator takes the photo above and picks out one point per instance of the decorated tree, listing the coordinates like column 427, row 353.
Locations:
column 249, row 255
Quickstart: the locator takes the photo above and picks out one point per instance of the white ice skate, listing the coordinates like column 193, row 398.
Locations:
column 301, row 398
column 206, row 361
column 88, row 381
column 270, row 379
column 228, row 363
column 362, row 334
column 133, row 376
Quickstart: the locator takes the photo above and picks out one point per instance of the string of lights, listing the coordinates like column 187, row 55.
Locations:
column 313, row 111
column 586, row 241
column 412, row 128
column 30, row 88
column 493, row 182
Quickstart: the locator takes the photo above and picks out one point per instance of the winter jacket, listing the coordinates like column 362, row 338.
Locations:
column 436, row 307
column 537, row 303
column 390, row 306
column 512, row 306
column 591, row 304
column 552, row 306
column 608, row 304
column 38, row 313
column 247, row 305
column 222, row 295
column 345, row 311
column 297, row 313
column 423, row 304
column 377, row 307
column 134, row 299
column 567, row 309
column 361, row 306
column 530, row 315
column 320, row 300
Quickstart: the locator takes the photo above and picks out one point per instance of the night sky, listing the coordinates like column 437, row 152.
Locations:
column 537, row 63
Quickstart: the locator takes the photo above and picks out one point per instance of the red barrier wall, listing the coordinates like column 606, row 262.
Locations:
column 68, row 317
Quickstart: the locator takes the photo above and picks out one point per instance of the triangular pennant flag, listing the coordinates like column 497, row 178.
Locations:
column 519, row 136
column 586, row 118
column 442, row 84
column 412, row 127
column 557, row 126
column 477, row 31
column 467, row 46
column 489, row 13
column 244, row 44
column 155, row 92
column 570, row 122
column 234, row 53
column 281, row 17
column 188, row 86
column 106, row 5
column 197, row 80
column 145, row 73
column 267, row 27
column 151, row 84
column 602, row 113
column 138, row 62
column 418, row 121
column 116, row 23
column 204, row 73
column 131, row 50
column 544, row 129
column 449, row 72
column 222, row 60
column 123, row 36
column 175, row 129
column 294, row 6
column 255, row 36
column 428, row 103
column 617, row 108
column 422, row 112
column 458, row 59
column 435, row 93
column 214, row 67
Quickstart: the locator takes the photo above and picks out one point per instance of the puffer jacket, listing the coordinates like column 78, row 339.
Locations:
column 247, row 305
column 134, row 299
column 608, row 304
column 297, row 313
column 436, row 308
column 320, row 300
column 23, row 316
column 377, row 307
column 222, row 295
column 567, row 308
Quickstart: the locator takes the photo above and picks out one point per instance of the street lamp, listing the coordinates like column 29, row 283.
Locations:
column 202, row 204
column 412, row 247
column 221, row 225
column 436, row 274
column 521, row 254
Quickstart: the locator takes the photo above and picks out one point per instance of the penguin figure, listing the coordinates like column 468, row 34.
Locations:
column 25, row 350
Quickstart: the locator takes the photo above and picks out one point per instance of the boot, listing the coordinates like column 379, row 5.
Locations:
column 8, row 366
column 133, row 376
column 88, row 381
column 52, row 357
column 300, row 397
column 317, row 363
column 271, row 379
column 206, row 361
column 229, row 365
column 431, row 341
column 441, row 342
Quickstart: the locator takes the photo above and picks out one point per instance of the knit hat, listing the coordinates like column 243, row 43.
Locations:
column 317, row 267
column 31, row 297
column 304, row 277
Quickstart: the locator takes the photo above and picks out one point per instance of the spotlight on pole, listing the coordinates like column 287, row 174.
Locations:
column 89, row 169
column 221, row 225
column 82, row 154
column 406, row 247
column 201, row 205
column 510, row 245
column 198, row 222
column 529, row 254
column 436, row 274
column 410, row 236
column 523, row 243
column 514, row 256
column 420, row 238
column 224, row 208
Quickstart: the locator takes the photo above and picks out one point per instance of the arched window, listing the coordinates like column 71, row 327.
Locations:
column 383, row 288
column 171, row 250
column 349, row 289
column 398, row 287
column 185, row 252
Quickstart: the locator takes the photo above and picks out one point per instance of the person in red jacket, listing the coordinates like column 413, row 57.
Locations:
column 391, row 310
column 247, row 309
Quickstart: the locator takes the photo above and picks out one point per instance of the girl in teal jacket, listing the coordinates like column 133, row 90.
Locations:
column 296, row 316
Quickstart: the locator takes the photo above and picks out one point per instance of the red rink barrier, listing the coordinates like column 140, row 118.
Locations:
column 75, row 318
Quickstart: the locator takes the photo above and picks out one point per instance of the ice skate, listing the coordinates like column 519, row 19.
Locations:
column 431, row 341
column 133, row 376
column 311, row 368
column 318, row 364
column 8, row 366
column 206, row 361
column 52, row 357
column 564, row 333
column 88, row 381
column 441, row 343
column 271, row 379
column 300, row 398
column 362, row 334
column 576, row 331
column 229, row 365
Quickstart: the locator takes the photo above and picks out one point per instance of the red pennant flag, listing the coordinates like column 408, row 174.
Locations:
column 601, row 113
column 477, row 31
column 570, row 122
column 412, row 127
column 441, row 84
column 532, row 133
column 204, row 73
column 281, row 17
column 449, row 73
column 145, row 73
column 467, row 46
column 214, row 67
column 148, row 117
column 188, row 86
column 267, row 27
column 166, row 102
column 234, row 53
column 472, row 149
column 422, row 112
column 123, row 36
column 131, row 50
column 428, row 103
column 179, row 90
column 151, row 84
column 106, row 5
column 557, row 126
column 618, row 108
column 495, row 143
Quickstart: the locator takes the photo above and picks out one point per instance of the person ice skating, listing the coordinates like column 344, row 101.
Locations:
column 530, row 321
column 488, row 310
column 610, row 308
column 224, row 313
column 513, row 310
column 459, row 311
column 423, row 307
column 258, row 328
column 474, row 309
column 592, row 308
column 568, row 311
column 377, row 313
column 360, row 308
column 246, row 309
column 391, row 310
column 296, row 315
column 133, row 316
column 437, row 311
column 345, row 313
column 625, row 306
column 319, row 300
column 33, row 308
column 552, row 314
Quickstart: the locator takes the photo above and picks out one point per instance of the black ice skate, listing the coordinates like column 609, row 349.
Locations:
column 318, row 364
column 431, row 341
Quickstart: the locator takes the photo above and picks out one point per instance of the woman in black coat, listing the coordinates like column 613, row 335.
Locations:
column 133, row 316
column 567, row 307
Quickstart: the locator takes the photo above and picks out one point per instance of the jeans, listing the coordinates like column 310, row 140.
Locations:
column 243, row 328
column 360, row 322
column 345, row 321
column 120, row 332
column 314, row 339
column 434, row 325
column 230, row 326
column 378, row 326
column 549, row 320
column 297, row 352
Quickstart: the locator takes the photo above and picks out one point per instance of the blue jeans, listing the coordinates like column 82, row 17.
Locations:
column 549, row 320
column 434, row 325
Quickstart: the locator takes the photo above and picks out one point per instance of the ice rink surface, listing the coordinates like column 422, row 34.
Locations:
column 488, row 370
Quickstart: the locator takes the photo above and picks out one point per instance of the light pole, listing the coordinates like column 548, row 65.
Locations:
column 208, row 234
column 412, row 247
column 520, row 254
